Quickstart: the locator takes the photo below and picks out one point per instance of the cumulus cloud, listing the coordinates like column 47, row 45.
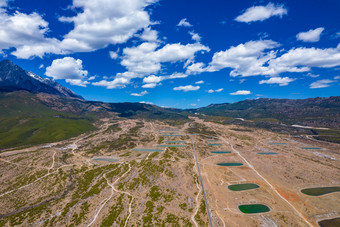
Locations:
column 195, row 36
column 199, row 82
column 186, row 88
column 321, row 83
column 146, row 58
column 103, row 22
column 282, row 81
column 150, row 85
column 113, row 55
column 153, row 81
column 184, row 23
column 3, row 3
column 313, row 35
column 26, row 33
column 196, row 68
column 245, row 59
column 312, row 75
column 261, row 13
column 149, row 35
column 241, row 92
column 77, row 82
column 119, row 82
column 217, row 90
column 66, row 68
column 260, row 58
column 140, row 94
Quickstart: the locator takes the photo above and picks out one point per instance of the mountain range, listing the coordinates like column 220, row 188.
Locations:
column 14, row 78
column 37, row 110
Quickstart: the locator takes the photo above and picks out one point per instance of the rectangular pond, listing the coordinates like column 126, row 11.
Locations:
column 267, row 153
column 214, row 144
column 147, row 150
column 277, row 143
column 169, row 141
column 171, row 135
column 211, row 140
column 311, row 148
column 220, row 152
column 230, row 164
column 105, row 159
column 171, row 145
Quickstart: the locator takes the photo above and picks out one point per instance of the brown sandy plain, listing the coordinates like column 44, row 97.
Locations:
column 61, row 184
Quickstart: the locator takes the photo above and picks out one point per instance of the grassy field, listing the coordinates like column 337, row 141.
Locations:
column 26, row 121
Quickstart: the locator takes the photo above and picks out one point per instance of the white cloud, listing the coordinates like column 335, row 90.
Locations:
column 140, row 94
column 302, row 59
column 184, row 22
column 258, row 58
column 150, row 85
column 152, row 79
column 27, row 34
column 212, row 91
column 195, row 36
column 312, row 75
column 193, row 104
column 282, row 81
column 103, row 22
column 113, row 55
column 313, row 35
column 321, row 83
column 261, row 13
column 186, row 88
column 118, row 82
column 176, row 76
column 3, row 3
column 149, row 35
column 41, row 66
column 66, row 68
column 337, row 78
column 150, row 103
column 199, row 82
column 77, row 82
column 245, row 59
column 241, row 92
column 195, row 68
column 146, row 58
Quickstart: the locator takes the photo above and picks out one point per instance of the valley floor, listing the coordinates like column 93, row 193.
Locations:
column 144, row 173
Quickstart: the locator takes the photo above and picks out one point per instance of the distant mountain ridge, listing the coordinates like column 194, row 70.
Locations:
column 14, row 78
column 312, row 111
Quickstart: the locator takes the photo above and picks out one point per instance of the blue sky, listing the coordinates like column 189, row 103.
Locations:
column 174, row 53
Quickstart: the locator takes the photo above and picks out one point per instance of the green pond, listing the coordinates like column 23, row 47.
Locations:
column 172, row 135
column 147, row 150
column 214, row 144
column 174, row 141
column 311, row 148
column 267, row 153
column 230, row 164
column 253, row 208
column 320, row 191
column 220, row 152
column 211, row 140
column 171, row 145
column 242, row 187
column 106, row 159
column 277, row 143
column 330, row 222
